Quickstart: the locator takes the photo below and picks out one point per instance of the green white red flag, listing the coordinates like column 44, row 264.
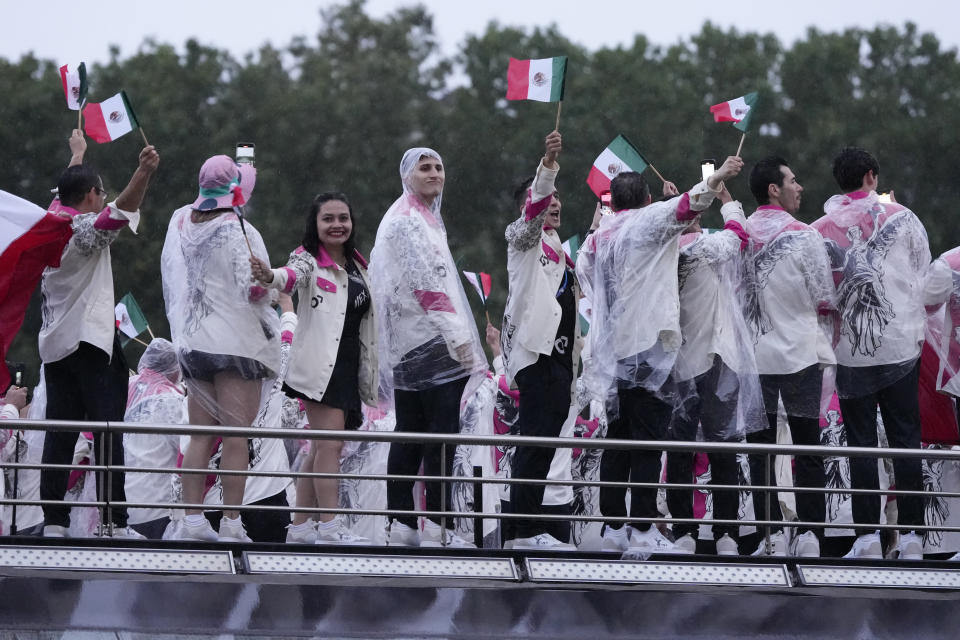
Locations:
column 619, row 156
column 129, row 317
column 108, row 120
column 74, row 85
column 739, row 111
column 572, row 247
column 481, row 282
column 540, row 80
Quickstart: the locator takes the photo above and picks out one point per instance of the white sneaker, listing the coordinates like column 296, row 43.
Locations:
column 338, row 533
column 866, row 546
column 203, row 531
column 401, row 535
column 543, row 542
column 125, row 532
column 687, row 545
column 232, row 531
column 650, row 541
column 55, row 531
column 727, row 546
column 431, row 538
column 778, row 545
column 910, row 547
column 615, row 539
column 806, row 545
column 303, row 533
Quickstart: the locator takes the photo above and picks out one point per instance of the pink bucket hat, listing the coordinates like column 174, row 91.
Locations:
column 220, row 177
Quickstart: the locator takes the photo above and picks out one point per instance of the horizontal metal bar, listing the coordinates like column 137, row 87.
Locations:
column 512, row 440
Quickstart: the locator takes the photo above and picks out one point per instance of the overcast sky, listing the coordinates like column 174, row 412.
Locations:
column 82, row 31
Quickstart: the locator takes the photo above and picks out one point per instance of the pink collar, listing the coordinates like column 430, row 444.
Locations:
column 857, row 195
column 770, row 207
column 326, row 262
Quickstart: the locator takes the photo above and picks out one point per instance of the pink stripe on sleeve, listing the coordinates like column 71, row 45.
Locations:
column 684, row 212
column 286, row 337
column 291, row 280
column 532, row 209
column 738, row 229
column 105, row 222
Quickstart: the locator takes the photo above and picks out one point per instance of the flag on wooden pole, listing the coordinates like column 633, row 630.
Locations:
column 739, row 111
column 620, row 155
column 481, row 282
column 74, row 85
column 130, row 319
column 541, row 80
column 108, row 120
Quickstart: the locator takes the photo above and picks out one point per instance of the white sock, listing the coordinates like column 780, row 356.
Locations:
column 231, row 520
column 193, row 519
column 329, row 524
column 306, row 524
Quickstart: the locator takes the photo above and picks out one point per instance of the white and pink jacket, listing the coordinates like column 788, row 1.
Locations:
column 536, row 263
column 323, row 294
column 77, row 297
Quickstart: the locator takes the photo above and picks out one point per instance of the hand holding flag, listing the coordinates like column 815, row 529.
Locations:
column 130, row 319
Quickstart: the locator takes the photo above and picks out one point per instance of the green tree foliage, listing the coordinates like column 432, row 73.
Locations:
column 337, row 112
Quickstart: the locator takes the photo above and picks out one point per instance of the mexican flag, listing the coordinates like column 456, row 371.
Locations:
column 739, row 111
column 572, row 246
column 108, row 120
column 481, row 282
column 130, row 319
column 31, row 239
column 619, row 156
column 74, row 85
column 540, row 80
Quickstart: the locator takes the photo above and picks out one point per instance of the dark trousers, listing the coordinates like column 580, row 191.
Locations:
column 643, row 416
column 86, row 385
column 544, row 405
column 559, row 529
column 433, row 410
column 900, row 409
column 715, row 414
column 801, row 398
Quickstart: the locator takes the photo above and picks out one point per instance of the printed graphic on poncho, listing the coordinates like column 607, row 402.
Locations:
column 585, row 465
column 936, row 508
column 755, row 275
column 836, row 468
column 865, row 310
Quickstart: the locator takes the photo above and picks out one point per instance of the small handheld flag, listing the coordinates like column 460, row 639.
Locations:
column 74, row 85
column 481, row 282
column 739, row 111
column 541, row 80
column 129, row 318
column 108, row 120
column 619, row 156
column 572, row 247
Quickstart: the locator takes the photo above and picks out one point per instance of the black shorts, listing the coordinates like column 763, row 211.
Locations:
column 349, row 403
column 199, row 365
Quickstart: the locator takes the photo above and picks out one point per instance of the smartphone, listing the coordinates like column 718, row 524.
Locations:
column 245, row 152
column 605, row 207
column 707, row 167
column 884, row 197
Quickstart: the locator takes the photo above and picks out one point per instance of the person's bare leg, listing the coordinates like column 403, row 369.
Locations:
column 197, row 455
column 238, row 401
column 306, row 496
column 326, row 456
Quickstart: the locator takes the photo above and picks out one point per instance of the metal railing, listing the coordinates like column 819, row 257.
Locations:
column 106, row 503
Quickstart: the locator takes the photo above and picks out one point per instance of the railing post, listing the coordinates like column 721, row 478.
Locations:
column 108, row 479
column 443, row 494
column 16, row 484
column 766, row 503
column 478, row 507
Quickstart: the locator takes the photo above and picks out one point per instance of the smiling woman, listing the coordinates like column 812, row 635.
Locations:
column 333, row 360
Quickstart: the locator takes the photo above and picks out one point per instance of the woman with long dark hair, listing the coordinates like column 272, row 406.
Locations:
column 333, row 361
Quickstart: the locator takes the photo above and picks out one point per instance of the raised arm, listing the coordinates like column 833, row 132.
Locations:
column 523, row 234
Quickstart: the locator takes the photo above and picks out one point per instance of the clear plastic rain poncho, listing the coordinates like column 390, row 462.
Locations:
column 427, row 334
column 154, row 396
column 880, row 255
column 788, row 295
column 944, row 327
column 634, row 286
column 716, row 359
column 219, row 319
